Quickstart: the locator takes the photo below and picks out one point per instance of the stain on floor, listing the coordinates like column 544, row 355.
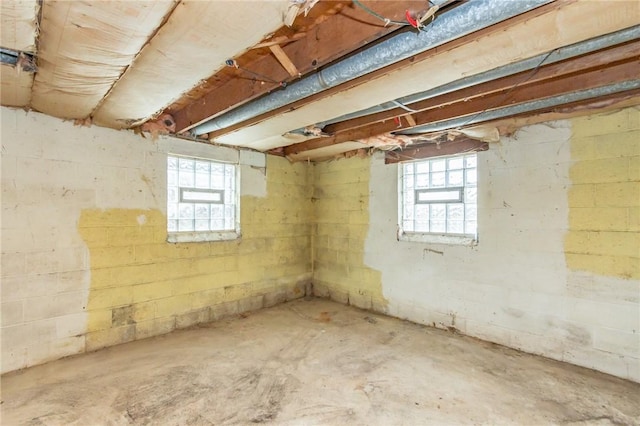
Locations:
column 289, row 365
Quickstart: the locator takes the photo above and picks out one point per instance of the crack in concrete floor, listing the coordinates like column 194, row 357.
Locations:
column 314, row 362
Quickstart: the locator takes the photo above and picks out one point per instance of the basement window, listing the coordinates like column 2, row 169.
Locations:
column 438, row 200
column 202, row 200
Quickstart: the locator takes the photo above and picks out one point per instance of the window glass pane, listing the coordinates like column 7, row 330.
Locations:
column 172, row 211
column 202, row 167
column 438, row 180
column 438, row 165
column 422, row 181
column 471, row 227
column 202, row 211
column 471, row 194
column 202, row 180
column 456, row 163
column 172, row 225
column 471, row 160
column 440, row 211
column 471, row 212
column 472, row 177
column 422, row 167
column 172, row 163
column 185, row 225
column 455, row 178
column 455, row 226
column 438, row 226
column 172, row 178
column 202, row 224
column 422, row 213
column 455, row 212
column 185, row 211
column 421, row 227
column 186, row 178
column 172, row 195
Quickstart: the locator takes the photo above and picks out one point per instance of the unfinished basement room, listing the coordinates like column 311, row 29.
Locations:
column 303, row 212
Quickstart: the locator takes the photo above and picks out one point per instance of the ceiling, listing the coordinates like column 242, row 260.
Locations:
column 315, row 79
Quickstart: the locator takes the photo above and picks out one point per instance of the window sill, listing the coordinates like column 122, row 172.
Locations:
column 417, row 237
column 202, row 236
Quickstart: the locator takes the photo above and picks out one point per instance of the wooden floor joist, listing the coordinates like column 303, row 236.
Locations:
column 324, row 43
column 597, row 69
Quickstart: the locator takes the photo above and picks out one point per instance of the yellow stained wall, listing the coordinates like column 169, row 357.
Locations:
column 604, row 199
column 143, row 286
column 341, row 222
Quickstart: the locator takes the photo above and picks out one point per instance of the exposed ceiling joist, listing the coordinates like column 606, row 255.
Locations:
column 348, row 29
column 608, row 66
column 562, row 23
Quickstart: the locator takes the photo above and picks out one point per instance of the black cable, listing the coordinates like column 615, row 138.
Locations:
column 371, row 12
column 506, row 95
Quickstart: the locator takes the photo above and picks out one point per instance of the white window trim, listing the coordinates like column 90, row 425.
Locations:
column 425, row 237
column 207, row 236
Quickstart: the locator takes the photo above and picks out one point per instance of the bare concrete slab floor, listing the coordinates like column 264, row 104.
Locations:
column 314, row 362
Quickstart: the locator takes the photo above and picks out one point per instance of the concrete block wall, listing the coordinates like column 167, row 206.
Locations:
column 85, row 262
column 555, row 270
column 341, row 223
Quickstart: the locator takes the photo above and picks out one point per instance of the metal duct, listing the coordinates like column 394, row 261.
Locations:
column 557, row 55
column 525, row 107
column 465, row 19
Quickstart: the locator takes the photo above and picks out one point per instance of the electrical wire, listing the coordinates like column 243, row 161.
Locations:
column 372, row 12
column 506, row 95
column 262, row 77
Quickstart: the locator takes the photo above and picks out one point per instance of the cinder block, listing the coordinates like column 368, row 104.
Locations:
column 601, row 124
column 191, row 318
column 274, row 297
column 598, row 219
column 582, row 195
column 71, row 325
column 600, row 170
column 223, row 310
column 173, row 305
column 360, row 299
column 151, row 291
column 110, row 337
column 252, row 303
column 103, row 257
column 13, row 264
column 110, row 297
column 155, row 327
column 618, row 342
column 12, row 312
column 619, row 194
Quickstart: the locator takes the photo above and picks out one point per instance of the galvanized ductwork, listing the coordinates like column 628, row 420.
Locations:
column 465, row 19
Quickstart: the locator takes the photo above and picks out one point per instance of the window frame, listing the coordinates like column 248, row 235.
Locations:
column 208, row 235
column 434, row 237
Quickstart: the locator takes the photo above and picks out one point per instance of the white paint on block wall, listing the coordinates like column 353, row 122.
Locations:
column 513, row 288
column 51, row 171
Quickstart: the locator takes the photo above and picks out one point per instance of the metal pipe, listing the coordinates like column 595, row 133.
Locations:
column 524, row 108
column 460, row 21
column 558, row 55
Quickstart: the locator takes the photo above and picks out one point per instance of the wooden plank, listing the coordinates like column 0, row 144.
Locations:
column 471, row 38
column 580, row 64
column 284, row 60
column 324, row 43
column 430, row 150
column 501, row 92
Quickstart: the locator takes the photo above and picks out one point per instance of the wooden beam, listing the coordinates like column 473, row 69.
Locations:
column 593, row 60
column 588, row 71
column 337, row 36
column 284, row 60
column 415, row 152
column 497, row 28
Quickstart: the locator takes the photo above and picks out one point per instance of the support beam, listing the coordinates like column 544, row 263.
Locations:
column 430, row 150
column 608, row 66
column 326, row 42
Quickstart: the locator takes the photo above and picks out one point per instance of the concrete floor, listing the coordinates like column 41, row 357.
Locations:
column 314, row 362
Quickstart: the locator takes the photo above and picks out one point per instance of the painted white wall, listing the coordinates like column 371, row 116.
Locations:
column 513, row 288
column 51, row 171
